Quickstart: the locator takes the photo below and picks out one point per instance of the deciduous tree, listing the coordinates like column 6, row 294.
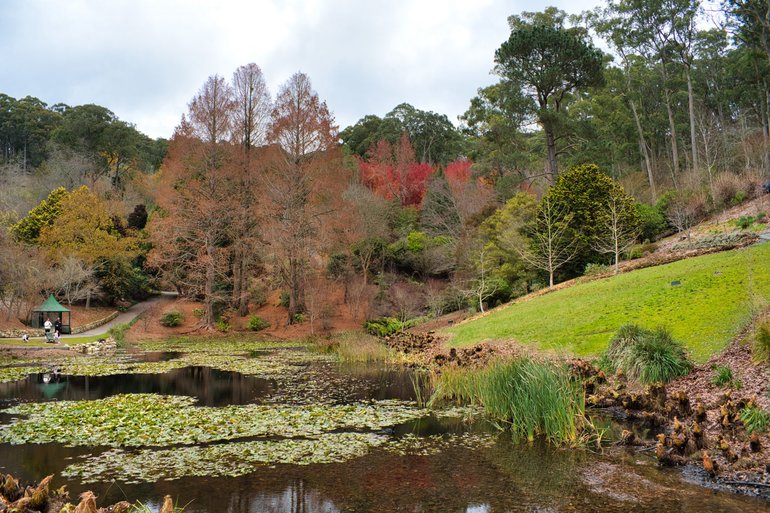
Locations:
column 251, row 113
column 620, row 226
column 552, row 243
column 192, row 232
column 302, row 182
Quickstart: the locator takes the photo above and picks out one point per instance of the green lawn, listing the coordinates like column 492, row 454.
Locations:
column 705, row 312
column 40, row 342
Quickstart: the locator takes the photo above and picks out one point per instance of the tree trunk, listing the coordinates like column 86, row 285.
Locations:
column 691, row 102
column 672, row 128
column 550, row 141
column 644, row 149
column 208, row 293
column 766, row 124
column 237, row 298
column 297, row 290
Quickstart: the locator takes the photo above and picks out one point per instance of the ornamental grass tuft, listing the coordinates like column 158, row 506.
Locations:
column 649, row 356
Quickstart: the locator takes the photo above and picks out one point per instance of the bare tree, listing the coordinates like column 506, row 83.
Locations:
column 551, row 241
column 619, row 229
column 482, row 287
column 75, row 279
column 367, row 227
column 683, row 212
column 407, row 300
column 23, row 274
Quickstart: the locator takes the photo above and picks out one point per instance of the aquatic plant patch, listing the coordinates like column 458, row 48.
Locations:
column 415, row 445
column 135, row 420
column 268, row 364
column 10, row 374
column 240, row 458
column 220, row 344
column 534, row 399
column 83, row 367
column 222, row 460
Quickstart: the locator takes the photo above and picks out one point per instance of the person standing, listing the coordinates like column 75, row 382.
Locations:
column 47, row 327
column 57, row 327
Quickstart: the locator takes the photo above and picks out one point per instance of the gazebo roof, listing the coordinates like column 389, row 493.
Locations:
column 50, row 305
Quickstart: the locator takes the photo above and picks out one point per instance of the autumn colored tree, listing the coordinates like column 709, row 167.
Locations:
column 211, row 111
column 302, row 182
column 251, row 113
column 23, row 274
column 394, row 172
column 85, row 230
column 192, row 232
column 453, row 199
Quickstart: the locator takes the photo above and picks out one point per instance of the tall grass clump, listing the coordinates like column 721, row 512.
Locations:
column 649, row 356
column 536, row 399
column 355, row 347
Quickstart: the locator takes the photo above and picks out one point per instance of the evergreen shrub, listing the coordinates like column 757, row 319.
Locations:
column 172, row 319
column 257, row 323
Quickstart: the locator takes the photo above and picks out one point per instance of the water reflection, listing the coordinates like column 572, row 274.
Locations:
column 455, row 481
column 210, row 386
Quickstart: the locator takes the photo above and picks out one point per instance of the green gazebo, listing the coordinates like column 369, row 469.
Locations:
column 53, row 310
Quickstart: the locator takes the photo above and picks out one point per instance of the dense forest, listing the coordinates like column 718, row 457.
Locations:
column 576, row 157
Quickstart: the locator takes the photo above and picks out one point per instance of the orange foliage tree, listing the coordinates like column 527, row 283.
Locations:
column 192, row 232
column 303, row 183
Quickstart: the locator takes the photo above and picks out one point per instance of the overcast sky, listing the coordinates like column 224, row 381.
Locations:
column 145, row 59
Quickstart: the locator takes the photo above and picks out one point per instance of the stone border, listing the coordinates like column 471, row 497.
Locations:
column 32, row 332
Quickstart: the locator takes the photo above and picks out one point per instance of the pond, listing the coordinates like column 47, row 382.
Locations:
column 290, row 431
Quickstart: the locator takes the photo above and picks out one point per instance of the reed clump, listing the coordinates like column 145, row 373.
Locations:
column 355, row 347
column 534, row 398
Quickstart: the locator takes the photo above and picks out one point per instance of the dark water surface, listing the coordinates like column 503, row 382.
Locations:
column 502, row 478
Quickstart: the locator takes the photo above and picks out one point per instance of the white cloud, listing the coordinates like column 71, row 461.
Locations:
column 146, row 59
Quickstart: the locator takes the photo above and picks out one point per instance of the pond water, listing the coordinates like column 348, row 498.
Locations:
column 412, row 461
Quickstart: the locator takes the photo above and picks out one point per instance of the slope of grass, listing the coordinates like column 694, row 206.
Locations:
column 716, row 297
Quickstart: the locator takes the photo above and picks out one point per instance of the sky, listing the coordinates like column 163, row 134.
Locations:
column 146, row 59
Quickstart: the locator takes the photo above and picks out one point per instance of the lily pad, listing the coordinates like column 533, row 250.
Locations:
column 134, row 420
column 229, row 459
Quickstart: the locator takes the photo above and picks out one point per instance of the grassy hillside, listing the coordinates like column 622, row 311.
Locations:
column 708, row 308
